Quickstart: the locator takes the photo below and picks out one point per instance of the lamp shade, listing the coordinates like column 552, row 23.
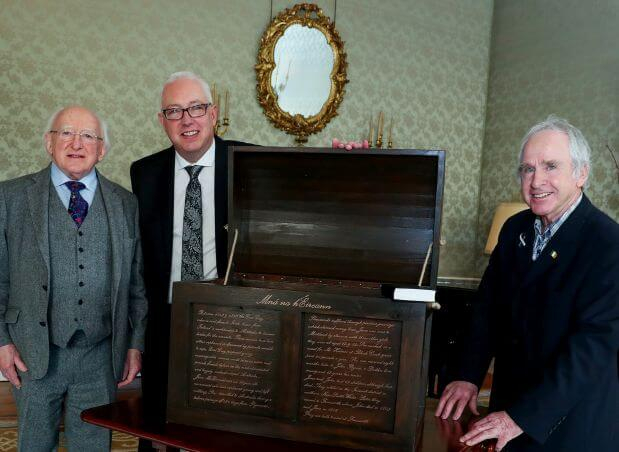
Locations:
column 502, row 213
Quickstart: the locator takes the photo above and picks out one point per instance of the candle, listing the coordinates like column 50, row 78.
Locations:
column 226, row 109
column 390, row 129
column 218, row 100
column 214, row 93
column 371, row 136
column 380, row 124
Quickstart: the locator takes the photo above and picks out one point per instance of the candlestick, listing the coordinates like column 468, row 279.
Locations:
column 389, row 140
column 379, row 132
column 223, row 116
column 226, row 109
column 371, row 135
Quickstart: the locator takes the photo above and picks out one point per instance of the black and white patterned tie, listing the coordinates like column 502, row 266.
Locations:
column 191, row 264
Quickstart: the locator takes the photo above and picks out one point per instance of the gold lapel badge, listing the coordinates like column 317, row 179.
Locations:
column 554, row 254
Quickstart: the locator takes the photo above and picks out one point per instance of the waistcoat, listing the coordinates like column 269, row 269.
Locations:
column 80, row 271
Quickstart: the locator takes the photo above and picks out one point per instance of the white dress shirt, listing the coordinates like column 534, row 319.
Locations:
column 207, row 182
column 59, row 178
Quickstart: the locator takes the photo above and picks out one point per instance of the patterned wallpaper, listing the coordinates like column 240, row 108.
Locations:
column 551, row 56
column 423, row 61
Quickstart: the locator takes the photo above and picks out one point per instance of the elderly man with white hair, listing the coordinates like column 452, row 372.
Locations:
column 72, row 305
column 547, row 311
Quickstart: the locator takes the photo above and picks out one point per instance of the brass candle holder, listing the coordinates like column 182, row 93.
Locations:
column 221, row 127
column 379, row 132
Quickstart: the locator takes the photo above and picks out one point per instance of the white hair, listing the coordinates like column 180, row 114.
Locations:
column 191, row 76
column 102, row 124
column 580, row 152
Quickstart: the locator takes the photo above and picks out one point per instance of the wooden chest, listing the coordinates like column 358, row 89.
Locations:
column 306, row 341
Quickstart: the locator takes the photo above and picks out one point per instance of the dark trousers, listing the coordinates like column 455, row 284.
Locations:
column 155, row 371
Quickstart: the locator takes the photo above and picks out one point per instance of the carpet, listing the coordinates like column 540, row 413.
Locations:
column 121, row 442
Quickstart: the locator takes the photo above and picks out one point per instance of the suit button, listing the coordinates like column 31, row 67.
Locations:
column 80, row 249
column 80, row 233
column 44, row 287
column 81, row 283
column 42, row 323
column 75, row 319
column 81, row 267
column 80, row 302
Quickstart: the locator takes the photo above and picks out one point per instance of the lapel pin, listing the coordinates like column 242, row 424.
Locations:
column 522, row 242
column 226, row 227
column 554, row 254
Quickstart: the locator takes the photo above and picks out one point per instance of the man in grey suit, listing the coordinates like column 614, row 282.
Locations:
column 72, row 305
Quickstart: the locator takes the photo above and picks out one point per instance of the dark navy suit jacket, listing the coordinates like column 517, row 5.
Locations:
column 152, row 181
column 553, row 327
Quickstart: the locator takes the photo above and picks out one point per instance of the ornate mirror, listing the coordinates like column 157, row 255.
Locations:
column 301, row 71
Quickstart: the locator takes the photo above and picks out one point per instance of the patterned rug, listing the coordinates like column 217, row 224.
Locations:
column 121, row 442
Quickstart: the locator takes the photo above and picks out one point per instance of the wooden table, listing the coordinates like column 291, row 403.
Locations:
column 126, row 416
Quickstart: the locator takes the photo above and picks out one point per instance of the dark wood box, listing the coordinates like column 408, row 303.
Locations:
column 303, row 344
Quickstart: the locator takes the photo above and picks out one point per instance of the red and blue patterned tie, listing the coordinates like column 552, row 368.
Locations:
column 78, row 207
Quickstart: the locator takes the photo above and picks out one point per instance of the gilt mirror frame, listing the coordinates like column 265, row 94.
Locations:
column 311, row 16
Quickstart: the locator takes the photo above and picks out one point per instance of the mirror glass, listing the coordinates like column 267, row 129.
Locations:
column 301, row 78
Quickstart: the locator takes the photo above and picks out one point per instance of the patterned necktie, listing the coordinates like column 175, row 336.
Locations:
column 78, row 207
column 191, row 263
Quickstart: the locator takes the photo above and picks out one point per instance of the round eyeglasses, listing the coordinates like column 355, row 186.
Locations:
column 68, row 134
column 194, row 111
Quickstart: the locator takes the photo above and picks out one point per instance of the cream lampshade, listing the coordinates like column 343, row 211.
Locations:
column 502, row 213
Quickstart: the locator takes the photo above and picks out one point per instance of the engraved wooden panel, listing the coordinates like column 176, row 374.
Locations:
column 330, row 368
column 234, row 356
column 349, row 371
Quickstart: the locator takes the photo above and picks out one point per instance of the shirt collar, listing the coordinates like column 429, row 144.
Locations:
column 208, row 159
column 552, row 227
column 59, row 178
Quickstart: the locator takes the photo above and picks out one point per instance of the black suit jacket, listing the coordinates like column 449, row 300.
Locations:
column 152, row 181
column 553, row 327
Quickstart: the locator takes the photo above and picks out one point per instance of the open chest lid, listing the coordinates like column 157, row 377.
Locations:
column 364, row 215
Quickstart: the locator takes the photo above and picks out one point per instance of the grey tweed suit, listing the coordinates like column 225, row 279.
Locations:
column 25, row 274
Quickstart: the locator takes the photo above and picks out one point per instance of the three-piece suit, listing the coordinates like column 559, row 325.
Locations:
column 71, row 301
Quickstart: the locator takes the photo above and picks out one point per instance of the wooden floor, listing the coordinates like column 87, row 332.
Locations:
column 8, row 415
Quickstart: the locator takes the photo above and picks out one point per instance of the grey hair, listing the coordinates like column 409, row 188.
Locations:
column 104, row 128
column 191, row 76
column 580, row 152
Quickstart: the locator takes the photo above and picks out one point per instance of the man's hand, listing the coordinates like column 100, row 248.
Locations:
column 9, row 361
column 349, row 145
column 457, row 394
column 496, row 425
column 133, row 364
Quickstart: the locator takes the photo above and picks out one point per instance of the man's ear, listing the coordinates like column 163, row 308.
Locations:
column 160, row 117
column 48, row 143
column 102, row 152
column 584, row 175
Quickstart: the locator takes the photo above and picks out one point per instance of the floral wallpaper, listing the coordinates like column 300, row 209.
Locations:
column 423, row 62
column 551, row 56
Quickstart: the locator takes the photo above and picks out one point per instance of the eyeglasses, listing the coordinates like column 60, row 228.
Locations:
column 87, row 136
column 195, row 111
